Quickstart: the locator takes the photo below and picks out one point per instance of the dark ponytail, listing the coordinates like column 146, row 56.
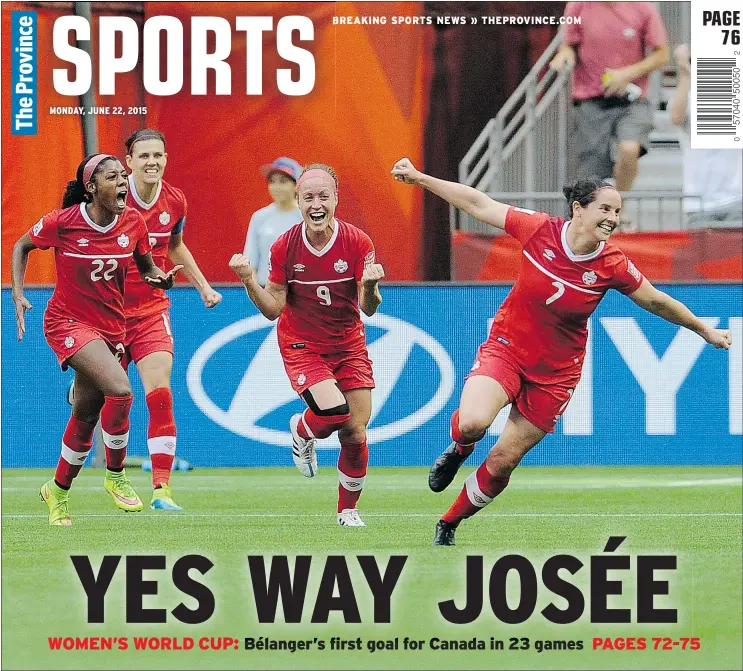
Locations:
column 583, row 191
column 75, row 192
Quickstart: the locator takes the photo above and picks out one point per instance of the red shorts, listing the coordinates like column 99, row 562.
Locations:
column 351, row 370
column 540, row 402
column 68, row 336
column 148, row 334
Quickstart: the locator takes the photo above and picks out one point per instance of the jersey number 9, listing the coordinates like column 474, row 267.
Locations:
column 323, row 293
column 98, row 273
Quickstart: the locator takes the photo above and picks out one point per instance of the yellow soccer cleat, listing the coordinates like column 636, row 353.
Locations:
column 122, row 492
column 162, row 499
column 58, row 500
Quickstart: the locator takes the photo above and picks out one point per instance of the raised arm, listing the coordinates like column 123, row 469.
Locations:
column 463, row 197
column 680, row 101
column 18, row 263
column 659, row 303
column 180, row 254
column 270, row 300
column 369, row 297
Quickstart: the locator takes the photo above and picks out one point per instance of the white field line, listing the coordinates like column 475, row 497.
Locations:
column 403, row 515
column 544, row 484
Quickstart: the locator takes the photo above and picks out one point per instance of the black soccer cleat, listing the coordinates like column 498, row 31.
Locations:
column 445, row 468
column 444, row 533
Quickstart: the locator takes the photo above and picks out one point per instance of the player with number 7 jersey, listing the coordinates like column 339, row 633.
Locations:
column 533, row 356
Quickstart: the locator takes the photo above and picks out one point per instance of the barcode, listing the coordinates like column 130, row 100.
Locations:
column 715, row 96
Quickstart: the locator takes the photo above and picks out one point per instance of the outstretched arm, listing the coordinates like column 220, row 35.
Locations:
column 659, row 303
column 180, row 254
column 151, row 274
column 18, row 264
column 463, row 197
column 270, row 300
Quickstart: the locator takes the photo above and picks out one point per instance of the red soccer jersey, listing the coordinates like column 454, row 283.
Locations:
column 164, row 216
column 543, row 319
column 92, row 263
column 322, row 298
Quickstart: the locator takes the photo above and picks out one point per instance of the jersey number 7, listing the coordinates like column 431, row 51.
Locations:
column 560, row 291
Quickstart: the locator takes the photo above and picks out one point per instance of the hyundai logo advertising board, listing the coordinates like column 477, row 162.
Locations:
column 651, row 392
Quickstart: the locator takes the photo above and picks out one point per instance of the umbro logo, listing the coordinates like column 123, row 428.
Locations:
column 549, row 254
column 118, row 442
column 352, row 484
column 83, row 242
column 299, row 267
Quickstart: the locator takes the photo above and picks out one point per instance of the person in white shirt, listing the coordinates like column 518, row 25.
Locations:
column 712, row 177
column 268, row 223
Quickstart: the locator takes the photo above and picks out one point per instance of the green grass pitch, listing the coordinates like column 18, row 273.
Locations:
column 693, row 512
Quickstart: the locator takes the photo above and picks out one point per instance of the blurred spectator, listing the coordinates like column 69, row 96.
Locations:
column 613, row 50
column 268, row 223
column 714, row 176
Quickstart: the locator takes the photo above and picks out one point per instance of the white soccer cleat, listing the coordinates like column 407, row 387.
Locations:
column 303, row 450
column 349, row 517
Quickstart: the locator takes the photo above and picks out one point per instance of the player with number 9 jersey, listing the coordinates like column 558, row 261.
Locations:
column 321, row 272
column 322, row 300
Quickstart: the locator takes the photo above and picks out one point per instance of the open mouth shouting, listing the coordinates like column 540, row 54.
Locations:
column 121, row 198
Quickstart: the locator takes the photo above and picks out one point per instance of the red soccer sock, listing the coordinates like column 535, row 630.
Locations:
column 76, row 444
column 465, row 446
column 352, row 463
column 161, row 434
column 320, row 426
column 115, row 429
column 480, row 488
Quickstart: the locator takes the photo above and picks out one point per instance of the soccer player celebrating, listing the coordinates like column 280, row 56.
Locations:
column 149, row 338
column 94, row 238
column 321, row 271
column 534, row 353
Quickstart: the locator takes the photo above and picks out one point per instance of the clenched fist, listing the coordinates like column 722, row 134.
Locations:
column 404, row 171
column 719, row 338
column 372, row 274
column 240, row 264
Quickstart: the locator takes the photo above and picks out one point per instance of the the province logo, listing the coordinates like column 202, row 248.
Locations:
column 340, row 266
column 38, row 226
column 589, row 277
column 69, row 341
column 165, row 218
column 123, row 240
